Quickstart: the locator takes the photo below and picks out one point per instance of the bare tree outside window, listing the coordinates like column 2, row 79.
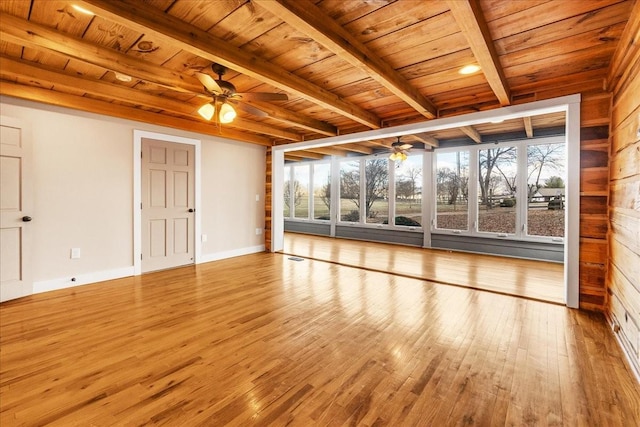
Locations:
column 293, row 195
column 545, row 190
column 497, row 175
column 376, row 174
column 452, row 190
column 300, row 191
column 350, row 191
column 321, row 191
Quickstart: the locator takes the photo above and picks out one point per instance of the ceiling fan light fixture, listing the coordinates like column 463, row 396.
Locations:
column 207, row 111
column 227, row 113
column 399, row 156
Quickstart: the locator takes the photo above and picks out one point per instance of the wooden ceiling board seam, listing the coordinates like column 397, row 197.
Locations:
column 544, row 14
column 495, row 9
column 339, row 12
column 387, row 20
column 59, row 15
column 571, row 26
column 585, row 60
column 592, row 39
column 21, row 9
column 243, row 25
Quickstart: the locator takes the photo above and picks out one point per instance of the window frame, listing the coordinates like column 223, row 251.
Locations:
column 521, row 183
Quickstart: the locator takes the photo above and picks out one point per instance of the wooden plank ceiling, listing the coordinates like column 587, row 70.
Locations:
column 345, row 66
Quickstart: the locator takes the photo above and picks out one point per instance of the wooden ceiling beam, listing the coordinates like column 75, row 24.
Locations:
column 470, row 19
column 528, row 126
column 425, row 139
column 17, row 68
column 306, row 17
column 90, row 105
column 472, row 133
column 147, row 19
column 296, row 119
column 357, row 148
column 329, row 151
column 308, row 154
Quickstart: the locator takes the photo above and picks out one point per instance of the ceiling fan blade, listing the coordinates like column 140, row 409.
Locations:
column 208, row 82
column 406, row 146
column 248, row 108
column 263, row 96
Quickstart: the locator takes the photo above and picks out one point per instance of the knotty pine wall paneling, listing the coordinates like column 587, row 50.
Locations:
column 623, row 275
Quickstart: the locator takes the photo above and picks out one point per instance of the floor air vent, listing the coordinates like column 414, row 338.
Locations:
column 295, row 258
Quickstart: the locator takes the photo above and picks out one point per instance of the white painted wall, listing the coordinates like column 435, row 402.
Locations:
column 83, row 191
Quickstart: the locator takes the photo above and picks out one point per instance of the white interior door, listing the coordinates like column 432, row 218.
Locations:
column 168, row 205
column 15, row 210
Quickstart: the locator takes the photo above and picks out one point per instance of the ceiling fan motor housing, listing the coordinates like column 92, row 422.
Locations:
column 228, row 89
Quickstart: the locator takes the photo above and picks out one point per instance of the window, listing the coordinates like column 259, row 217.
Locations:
column 452, row 190
column 321, row 191
column 350, row 191
column 518, row 190
column 408, row 177
column 545, row 190
column 376, row 174
column 300, row 191
column 497, row 178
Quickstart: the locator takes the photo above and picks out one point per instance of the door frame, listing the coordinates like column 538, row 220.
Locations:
column 138, row 135
column 570, row 104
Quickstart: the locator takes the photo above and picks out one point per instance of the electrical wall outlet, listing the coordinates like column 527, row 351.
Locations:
column 258, row 231
column 75, row 253
column 204, row 238
column 257, row 197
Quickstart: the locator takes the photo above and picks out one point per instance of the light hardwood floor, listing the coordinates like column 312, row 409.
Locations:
column 539, row 280
column 264, row 340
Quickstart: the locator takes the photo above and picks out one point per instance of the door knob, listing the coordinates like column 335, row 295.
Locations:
column 192, row 210
column 26, row 218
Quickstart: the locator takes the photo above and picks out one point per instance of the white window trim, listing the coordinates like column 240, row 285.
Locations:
column 521, row 210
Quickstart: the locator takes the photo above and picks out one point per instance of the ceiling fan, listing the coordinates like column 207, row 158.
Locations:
column 399, row 150
column 224, row 94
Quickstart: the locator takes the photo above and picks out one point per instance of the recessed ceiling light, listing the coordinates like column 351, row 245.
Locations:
column 122, row 77
column 82, row 10
column 469, row 69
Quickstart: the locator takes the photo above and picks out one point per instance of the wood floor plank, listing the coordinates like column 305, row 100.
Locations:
column 264, row 340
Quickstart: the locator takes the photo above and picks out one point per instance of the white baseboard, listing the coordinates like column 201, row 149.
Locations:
column 81, row 279
column 100, row 276
column 230, row 254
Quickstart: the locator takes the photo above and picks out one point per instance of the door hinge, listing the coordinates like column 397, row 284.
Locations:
column 140, row 256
